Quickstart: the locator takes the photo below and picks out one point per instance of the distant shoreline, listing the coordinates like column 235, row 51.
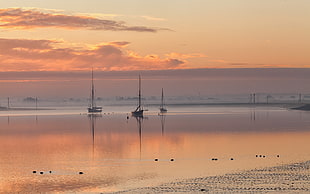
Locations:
column 22, row 109
column 228, row 104
column 293, row 106
column 234, row 104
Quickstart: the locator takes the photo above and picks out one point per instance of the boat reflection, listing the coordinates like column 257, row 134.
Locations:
column 92, row 119
column 253, row 115
column 139, row 123
column 162, row 122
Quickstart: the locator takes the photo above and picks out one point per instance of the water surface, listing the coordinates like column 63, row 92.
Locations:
column 79, row 153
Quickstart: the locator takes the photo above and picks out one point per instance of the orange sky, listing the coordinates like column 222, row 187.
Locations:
column 152, row 35
column 122, row 36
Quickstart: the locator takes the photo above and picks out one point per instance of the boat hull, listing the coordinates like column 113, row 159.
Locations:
column 94, row 109
column 163, row 110
column 137, row 113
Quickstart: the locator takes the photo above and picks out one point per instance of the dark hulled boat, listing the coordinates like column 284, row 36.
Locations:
column 92, row 106
column 139, row 110
column 162, row 107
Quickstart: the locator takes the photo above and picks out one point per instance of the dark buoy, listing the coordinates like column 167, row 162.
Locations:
column 81, row 173
column 171, row 159
column 264, row 156
column 256, row 156
column 278, row 156
column 203, row 190
column 127, row 117
column 260, row 156
column 50, row 171
column 231, row 159
column 41, row 172
column 156, row 159
column 34, row 171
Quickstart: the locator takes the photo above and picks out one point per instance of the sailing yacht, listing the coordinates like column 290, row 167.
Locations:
column 139, row 110
column 162, row 105
column 92, row 107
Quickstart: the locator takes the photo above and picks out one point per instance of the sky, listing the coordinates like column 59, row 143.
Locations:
column 132, row 35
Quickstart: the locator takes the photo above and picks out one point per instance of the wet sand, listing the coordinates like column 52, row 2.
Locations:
column 279, row 179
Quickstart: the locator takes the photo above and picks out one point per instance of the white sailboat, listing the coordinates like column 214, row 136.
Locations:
column 139, row 110
column 92, row 107
column 162, row 105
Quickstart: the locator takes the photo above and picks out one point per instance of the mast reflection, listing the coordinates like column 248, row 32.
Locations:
column 162, row 121
column 253, row 115
column 139, row 120
column 92, row 119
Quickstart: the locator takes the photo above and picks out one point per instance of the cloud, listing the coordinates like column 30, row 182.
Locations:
column 186, row 56
column 52, row 55
column 23, row 43
column 119, row 43
column 219, row 61
column 58, row 55
column 174, row 62
column 17, row 18
column 153, row 18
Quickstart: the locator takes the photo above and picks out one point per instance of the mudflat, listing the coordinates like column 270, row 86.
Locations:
column 280, row 179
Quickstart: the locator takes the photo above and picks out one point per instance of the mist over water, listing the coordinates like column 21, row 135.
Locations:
column 176, row 83
column 154, row 101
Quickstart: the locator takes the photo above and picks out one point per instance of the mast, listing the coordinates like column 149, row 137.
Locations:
column 162, row 98
column 92, row 88
column 139, row 105
column 36, row 103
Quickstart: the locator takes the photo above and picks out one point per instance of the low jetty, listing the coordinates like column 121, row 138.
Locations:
column 305, row 107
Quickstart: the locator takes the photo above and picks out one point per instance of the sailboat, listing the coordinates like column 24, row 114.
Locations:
column 92, row 107
column 139, row 110
column 162, row 105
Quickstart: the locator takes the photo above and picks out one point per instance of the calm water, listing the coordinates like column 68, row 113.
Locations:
column 115, row 153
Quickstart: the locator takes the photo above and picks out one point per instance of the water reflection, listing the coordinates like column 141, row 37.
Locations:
column 253, row 115
column 115, row 152
column 162, row 122
column 92, row 120
column 139, row 122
